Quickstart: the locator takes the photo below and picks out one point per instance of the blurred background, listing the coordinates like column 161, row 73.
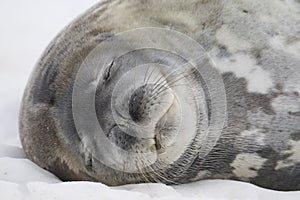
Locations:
column 26, row 28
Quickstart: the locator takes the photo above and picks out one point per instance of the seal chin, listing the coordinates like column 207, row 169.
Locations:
column 152, row 108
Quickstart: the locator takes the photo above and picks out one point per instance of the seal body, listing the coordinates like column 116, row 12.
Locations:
column 255, row 47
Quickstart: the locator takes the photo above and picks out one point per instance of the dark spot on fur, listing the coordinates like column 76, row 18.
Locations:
column 294, row 113
column 257, row 54
column 223, row 51
column 284, row 179
column 257, row 101
column 266, row 152
column 295, row 136
column 279, row 86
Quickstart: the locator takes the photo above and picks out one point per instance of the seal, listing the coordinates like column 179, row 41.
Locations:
column 171, row 92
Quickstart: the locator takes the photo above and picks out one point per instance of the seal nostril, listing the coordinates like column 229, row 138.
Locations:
column 136, row 105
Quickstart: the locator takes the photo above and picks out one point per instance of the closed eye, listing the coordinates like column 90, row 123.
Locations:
column 107, row 73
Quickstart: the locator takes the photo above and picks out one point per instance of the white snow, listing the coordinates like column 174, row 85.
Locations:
column 26, row 29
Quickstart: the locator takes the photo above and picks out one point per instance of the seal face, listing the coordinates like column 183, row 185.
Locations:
column 211, row 92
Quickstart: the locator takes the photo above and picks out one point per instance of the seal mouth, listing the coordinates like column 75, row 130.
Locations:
column 159, row 146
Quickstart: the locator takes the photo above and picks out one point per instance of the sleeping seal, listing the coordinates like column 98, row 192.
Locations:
column 171, row 92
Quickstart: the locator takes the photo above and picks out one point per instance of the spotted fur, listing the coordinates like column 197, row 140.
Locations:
column 255, row 45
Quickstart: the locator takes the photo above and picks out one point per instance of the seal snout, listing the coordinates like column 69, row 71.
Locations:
column 150, row 107
column 147, row 106
column 137, row 104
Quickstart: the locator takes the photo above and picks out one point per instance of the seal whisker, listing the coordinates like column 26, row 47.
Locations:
column 173, row 71
column 174, row 80
column 150, row 75
column 156, row 179
column 154, row 88
column 165, row 77
column 164, row 86
column 146, row 74
column 145, row 165
column 167, row 180
column 142, row 173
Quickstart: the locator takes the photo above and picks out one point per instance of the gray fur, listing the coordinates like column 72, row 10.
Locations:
column 261, row 139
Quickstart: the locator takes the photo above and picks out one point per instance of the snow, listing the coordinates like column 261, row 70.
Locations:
column 26, row 29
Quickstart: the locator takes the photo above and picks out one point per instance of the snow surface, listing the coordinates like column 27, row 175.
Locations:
column 26, row 29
